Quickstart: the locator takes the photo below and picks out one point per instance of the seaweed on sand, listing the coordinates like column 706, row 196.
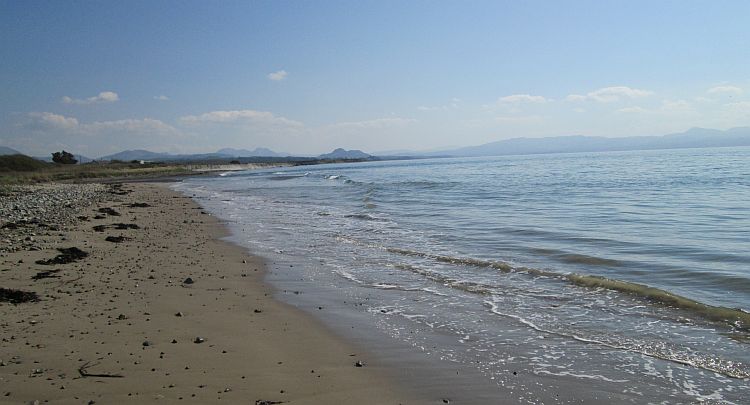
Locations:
column 17, row 296
column 67, row 255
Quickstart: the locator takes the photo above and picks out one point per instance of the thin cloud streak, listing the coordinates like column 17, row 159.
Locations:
column 103, row 97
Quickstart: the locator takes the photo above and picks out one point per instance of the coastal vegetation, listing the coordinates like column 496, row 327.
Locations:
column 20, row 169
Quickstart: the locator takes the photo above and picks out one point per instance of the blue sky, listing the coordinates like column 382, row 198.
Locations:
column 304, row 77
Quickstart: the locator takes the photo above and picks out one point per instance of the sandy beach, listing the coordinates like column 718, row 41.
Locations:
column 160, row 310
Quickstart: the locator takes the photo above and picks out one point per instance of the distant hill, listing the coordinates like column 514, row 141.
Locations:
column 257, row 152
column 345, row 154
column 4, row 150
column 19, row 163
column 137, row 154
column 693, row 138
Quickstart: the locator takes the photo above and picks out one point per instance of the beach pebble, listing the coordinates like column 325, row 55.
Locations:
column 359, row 364
column 188, row 281
column 199, row 340
column 147, row 343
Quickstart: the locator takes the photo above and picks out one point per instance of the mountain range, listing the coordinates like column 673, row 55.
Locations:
column 227, row 153
column 340, row 153
column 257, row 152
column 693, row 138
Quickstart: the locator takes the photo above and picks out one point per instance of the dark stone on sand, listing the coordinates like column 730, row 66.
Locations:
column 116, row 239
column 99, row 217
column 146, row 343
column 67, row 255
column 100, row 228
column 199, row 340
column 121, row 226
column 188, row 281
column 82, row 218
column 264, row 402
column 257, row 311
column 179, row 314
column 139, row 205
column 359, row 364
column 109, row 211
column 17, row 296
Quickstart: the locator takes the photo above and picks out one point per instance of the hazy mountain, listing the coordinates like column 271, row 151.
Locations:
column 345, row 154
column 4, row 150
column 257, row 152
column 693, row 138
column 138, row 154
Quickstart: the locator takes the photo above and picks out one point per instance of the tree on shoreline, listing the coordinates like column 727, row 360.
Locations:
column 65, row 158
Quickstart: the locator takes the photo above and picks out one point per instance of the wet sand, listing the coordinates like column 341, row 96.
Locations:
column 124, row 324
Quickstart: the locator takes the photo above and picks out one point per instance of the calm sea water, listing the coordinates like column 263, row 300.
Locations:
column 630, row 271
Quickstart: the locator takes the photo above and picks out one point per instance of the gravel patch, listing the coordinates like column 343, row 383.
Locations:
column 29, row 211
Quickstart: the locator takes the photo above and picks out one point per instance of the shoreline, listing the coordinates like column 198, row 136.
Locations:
column 120, row 325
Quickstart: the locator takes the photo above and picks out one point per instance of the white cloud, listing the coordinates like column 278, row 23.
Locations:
column 725, row 90
column 735, row 114
column 278, row 75
column 374, row 123
column 161, row 98
column 676, row 106
column 667, row 107
column 103, row 97
column 742, row 107
column 132, row 126
column 633, row 110
column 42, row 132
column 55, row 121
column 455, row 103
column 610, row 94
column 239, row 117
column 522, row 98
column 518, row 119
column 45, row 121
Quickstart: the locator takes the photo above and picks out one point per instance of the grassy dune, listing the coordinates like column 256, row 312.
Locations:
column 19, row 169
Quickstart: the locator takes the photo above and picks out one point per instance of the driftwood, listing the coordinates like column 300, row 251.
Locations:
column 82, row 371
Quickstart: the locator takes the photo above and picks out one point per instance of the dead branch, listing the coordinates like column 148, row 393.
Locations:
column 82, row 371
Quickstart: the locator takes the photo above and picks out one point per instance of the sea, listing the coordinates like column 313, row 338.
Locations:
column 625, row 275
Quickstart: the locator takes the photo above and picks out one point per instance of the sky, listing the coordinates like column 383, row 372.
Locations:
column 304, row 77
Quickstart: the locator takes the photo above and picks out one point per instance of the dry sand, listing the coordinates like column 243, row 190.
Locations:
column 120, row 325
